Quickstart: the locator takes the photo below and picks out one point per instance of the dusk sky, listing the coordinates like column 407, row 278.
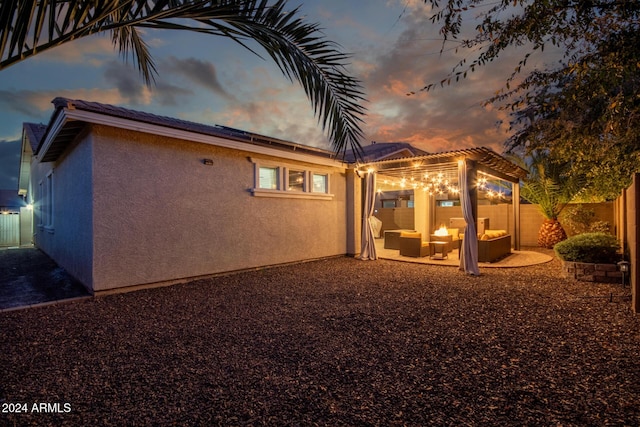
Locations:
column 213, row 80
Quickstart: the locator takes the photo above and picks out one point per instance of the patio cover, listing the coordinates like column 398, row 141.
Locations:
column 480, row 159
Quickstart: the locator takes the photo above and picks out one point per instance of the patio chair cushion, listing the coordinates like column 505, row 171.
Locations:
column 492, row 234
column 411, row 234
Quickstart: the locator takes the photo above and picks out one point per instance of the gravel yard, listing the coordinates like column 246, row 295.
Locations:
column 333, row 342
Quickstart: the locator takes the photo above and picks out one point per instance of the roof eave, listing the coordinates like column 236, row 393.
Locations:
column 68, row 122
column 486, row 160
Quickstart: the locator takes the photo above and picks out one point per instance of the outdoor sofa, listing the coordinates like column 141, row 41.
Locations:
column 493, row 245
column 411, row 244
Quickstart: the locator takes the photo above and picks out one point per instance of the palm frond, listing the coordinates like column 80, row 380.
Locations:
column 550, row 184
column 298, row 48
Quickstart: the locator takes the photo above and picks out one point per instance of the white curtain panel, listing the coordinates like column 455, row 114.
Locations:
column 469, row 247
column 367, row 243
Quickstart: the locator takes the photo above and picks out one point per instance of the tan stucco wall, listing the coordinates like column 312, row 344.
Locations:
column 161, row 214
column 69, row 242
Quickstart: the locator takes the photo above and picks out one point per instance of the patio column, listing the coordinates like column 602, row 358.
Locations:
column 469, row 203
column 515, row 200
column 421, row 216
column 354, row 211
column 367, row 245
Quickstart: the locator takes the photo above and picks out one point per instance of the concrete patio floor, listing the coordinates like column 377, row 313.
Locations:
column 521, row 258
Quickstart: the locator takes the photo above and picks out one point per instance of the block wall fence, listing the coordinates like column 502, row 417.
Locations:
column 500, row 217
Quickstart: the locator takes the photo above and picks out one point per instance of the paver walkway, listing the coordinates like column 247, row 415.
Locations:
column 29, row 277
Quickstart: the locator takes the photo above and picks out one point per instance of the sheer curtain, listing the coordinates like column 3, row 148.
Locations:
column 469, row 247
column 367, row 244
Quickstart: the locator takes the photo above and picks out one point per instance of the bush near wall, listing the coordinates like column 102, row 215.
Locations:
column 589, row 247
column 590, row 257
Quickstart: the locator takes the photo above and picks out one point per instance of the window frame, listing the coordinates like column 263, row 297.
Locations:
column 258, row 181
column 282, row 189
column 313, row 174
column 48, row 217
column 40, row 203
column 44, row 202
column 305, row 179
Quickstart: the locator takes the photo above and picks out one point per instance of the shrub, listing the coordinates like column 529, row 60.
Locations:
column 598, row 248
column 580, row 219
column 599, row 227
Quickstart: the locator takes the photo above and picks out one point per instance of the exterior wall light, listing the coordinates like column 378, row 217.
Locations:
column 208, row 162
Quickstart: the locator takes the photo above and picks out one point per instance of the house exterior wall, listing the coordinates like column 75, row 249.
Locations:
column 160, row 214
column 69, row 238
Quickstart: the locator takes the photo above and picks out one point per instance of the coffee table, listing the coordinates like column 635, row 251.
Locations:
column 439, row 249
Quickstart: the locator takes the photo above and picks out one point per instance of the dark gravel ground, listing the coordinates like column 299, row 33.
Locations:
column 337, row 342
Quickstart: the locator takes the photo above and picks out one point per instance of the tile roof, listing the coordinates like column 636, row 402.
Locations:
column 178, row 124
column 486, row 159
column 384, row 151
column 35, row 132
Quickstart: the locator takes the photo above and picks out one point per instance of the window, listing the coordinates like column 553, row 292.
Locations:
column 268, row 178
column 45, row 202
column 296, row 180
column 48, row 217
column 281, row 180
column 39, row 205
column 320, row 183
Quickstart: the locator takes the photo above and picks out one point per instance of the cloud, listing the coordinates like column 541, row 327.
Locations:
column 9, row 164
column 95, row 50
column 268, row 105
column 192, row 71
column 167, row 94
column 446, row 118
column 202, row 73
column 128, row 82
column 37, row 104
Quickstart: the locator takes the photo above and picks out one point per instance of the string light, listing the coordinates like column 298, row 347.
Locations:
column 441, row 183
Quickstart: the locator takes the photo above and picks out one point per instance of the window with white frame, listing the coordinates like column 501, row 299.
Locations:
column 48, row 217
column 320, row 183
column 282, row 180
column 40, row 204
column 296, row 179
column 45, row 200
column 268, row 177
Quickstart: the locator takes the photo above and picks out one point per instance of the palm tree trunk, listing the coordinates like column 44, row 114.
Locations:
column 550, row 233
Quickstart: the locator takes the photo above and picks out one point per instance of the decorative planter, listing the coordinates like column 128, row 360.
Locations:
column 587, row 272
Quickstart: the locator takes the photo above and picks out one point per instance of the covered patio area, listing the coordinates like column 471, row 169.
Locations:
column 457, row 179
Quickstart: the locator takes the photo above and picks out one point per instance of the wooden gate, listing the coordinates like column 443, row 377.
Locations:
column 9, row 229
